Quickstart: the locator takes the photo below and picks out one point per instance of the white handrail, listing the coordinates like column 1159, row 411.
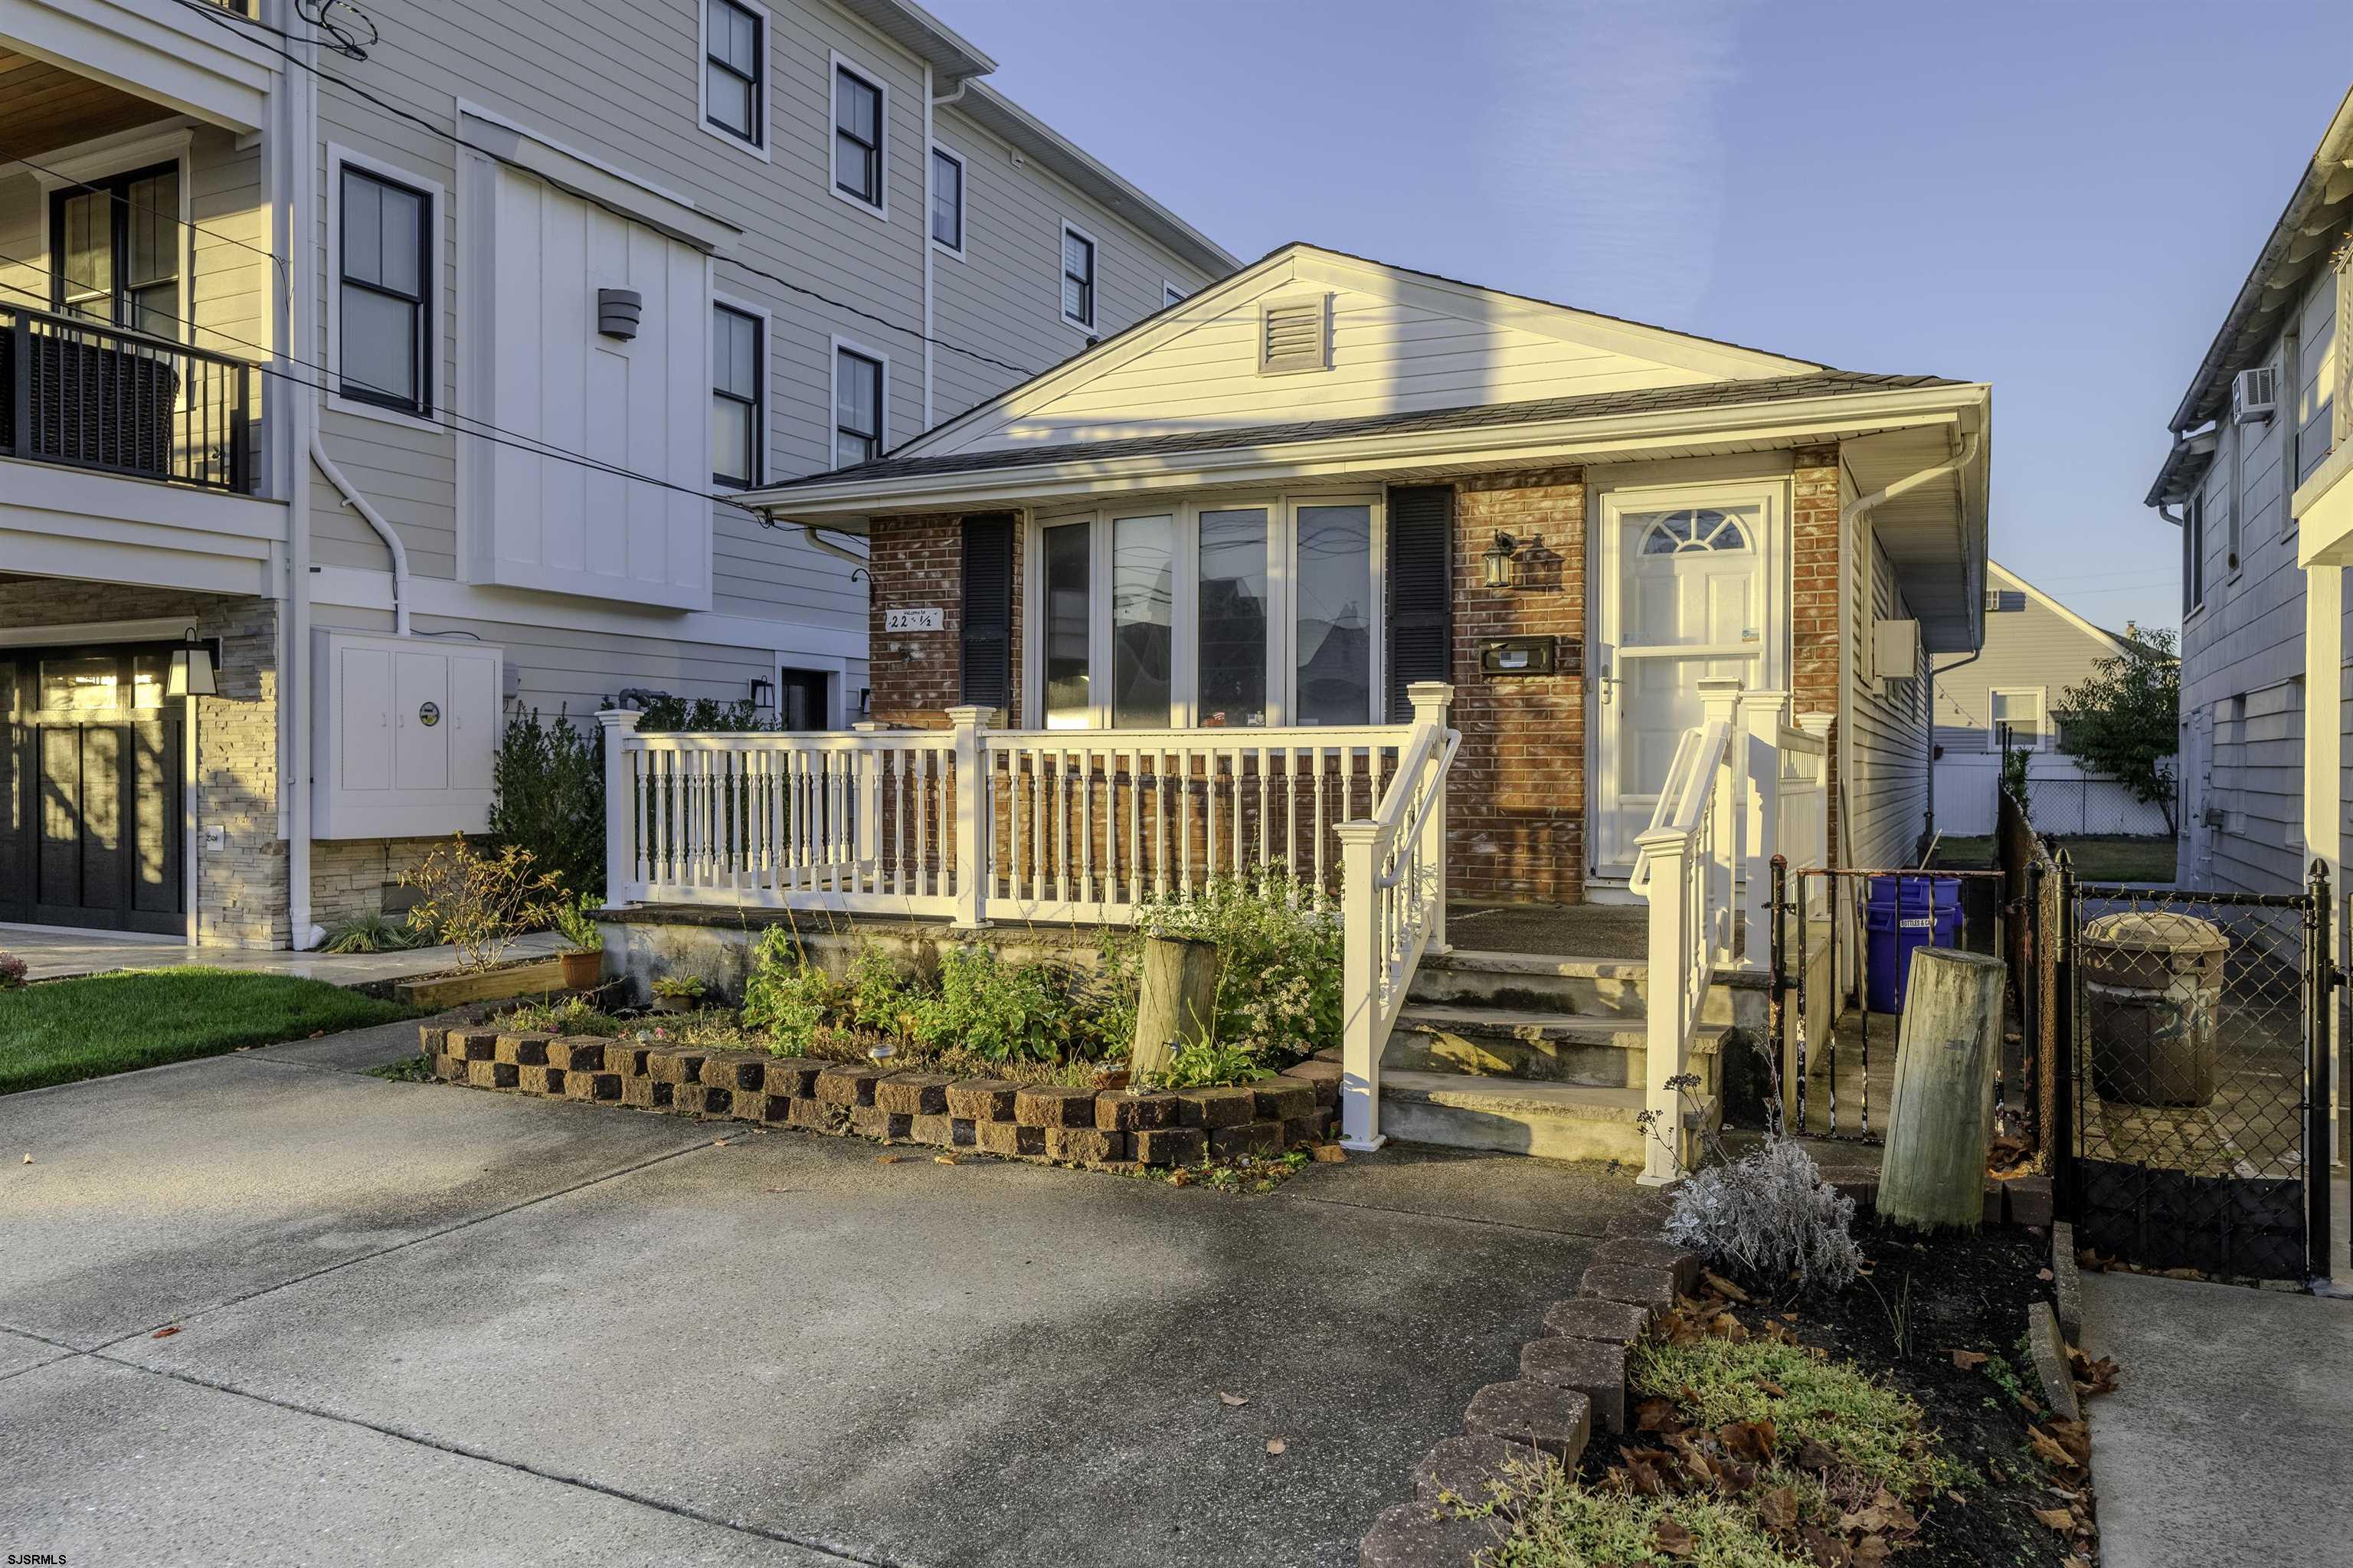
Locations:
column 1393, row 906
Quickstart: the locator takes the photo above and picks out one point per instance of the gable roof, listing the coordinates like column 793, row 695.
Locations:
column 907, row 463
column 2117, row 644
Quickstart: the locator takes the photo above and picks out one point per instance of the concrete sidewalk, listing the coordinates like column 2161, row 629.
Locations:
column 52, row 952
column 2228, row 1435
column 418, row 1323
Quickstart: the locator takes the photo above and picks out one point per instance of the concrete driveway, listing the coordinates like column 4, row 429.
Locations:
column 420, row 1323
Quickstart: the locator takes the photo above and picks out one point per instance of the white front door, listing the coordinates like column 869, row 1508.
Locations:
column 1683, row 597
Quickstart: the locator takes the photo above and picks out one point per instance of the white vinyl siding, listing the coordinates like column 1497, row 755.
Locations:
column 2035, row 648
column 1885, row 753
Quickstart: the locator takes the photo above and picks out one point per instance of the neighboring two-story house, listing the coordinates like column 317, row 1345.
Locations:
column 2259, row 445
column 365, row 380
column 2010, row 694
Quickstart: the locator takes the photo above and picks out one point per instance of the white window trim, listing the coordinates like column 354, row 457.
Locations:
column 438, row 296
column 872, row 79
column 835, row 670
column 1095, row 279
column 833, row 395
column 1171, row 295
column 1282, row 509
column 119, row 155
column 768, row 379
column 767, row 80
column 2043, row 722
column 964, row 201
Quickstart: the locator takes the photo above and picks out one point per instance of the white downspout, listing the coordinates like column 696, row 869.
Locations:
column 817, row 541
column 294, row 669
column 1852, row 512
column 373, row 519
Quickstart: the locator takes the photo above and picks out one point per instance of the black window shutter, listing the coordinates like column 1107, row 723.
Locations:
column 987, row 612
column 1421, row 590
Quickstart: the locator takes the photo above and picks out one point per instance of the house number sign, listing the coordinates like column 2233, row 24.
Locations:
column 911, row 621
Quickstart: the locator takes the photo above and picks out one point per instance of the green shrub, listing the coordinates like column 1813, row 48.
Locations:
column 999, row 1010
column 661, row 714
column 1279, row 961
column 578, row 922
column 549, row 780
column 373, row 933
column 1211, row 1064
column 572, row 1015
column 786, row 995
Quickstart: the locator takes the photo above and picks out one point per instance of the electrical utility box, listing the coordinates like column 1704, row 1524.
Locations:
column 404, row 733
column 1895, row 649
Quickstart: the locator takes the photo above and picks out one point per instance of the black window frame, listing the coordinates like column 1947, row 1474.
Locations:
column 881, row 376
column 1086, row 283
column 116, row 188
column 2193, row 552
column 869, row 155
column 420, row 344
column 754, row 451
column 756, row 83
column 931, row 219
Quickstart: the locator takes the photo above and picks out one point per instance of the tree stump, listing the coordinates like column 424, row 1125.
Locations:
column 1177, row 1004
column 1933, row 1173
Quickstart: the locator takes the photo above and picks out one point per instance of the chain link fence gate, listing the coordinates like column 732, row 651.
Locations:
column 2192, row 1047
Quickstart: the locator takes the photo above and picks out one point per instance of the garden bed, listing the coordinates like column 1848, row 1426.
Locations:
column 1059, row 1123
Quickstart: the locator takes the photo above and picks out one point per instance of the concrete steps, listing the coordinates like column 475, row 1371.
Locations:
column 1533, row 1053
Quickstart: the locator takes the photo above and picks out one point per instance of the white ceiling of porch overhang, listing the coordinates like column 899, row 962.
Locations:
column 1935, row 532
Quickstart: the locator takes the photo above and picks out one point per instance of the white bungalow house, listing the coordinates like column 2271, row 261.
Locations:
column 1431, row 592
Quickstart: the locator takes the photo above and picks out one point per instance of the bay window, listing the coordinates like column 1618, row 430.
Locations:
column 1237, row 615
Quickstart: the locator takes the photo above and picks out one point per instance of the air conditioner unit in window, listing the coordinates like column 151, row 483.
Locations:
column 2254, row 395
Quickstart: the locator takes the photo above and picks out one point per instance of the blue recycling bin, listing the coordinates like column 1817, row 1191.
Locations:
column 1900, row 913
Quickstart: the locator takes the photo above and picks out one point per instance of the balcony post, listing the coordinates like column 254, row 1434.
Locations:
column 621, row 888
column 866, row 827
column 1431, row 700
column 20, row 384
column 1765, row 711
column 1673, row 986
column 1360, row 1003
column 970, row 726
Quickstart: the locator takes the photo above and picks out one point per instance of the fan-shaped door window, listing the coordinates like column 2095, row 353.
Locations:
column 1681, row 532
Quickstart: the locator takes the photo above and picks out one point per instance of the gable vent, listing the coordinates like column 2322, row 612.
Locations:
column 1294, row 335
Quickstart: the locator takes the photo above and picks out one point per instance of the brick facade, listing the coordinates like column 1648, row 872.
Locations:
column 917, row 676
column 241, row 885
column 1814, row 614
column 1516, row 806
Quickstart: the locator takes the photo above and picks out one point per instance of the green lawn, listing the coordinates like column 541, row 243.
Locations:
column 63, row 1030
column 2095, row 858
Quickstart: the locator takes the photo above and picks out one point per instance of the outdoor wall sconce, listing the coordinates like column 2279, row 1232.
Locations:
column 1502, row 562
column 192, row 670
column 618, row 311
column 763, row 693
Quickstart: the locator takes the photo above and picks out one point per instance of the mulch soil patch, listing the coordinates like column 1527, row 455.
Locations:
column 1942, row 1320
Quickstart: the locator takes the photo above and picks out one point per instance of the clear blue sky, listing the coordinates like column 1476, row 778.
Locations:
column 2057, row 198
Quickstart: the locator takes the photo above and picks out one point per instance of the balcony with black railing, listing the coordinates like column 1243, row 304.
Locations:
column 80, row 394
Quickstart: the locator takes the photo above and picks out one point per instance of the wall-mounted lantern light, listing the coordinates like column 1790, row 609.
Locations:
column 1501, row 562
column 763, row 693
column 865, row 699
column 192, row 669
column 618, row 311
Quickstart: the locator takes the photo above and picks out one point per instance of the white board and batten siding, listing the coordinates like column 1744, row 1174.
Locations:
column 546, row 375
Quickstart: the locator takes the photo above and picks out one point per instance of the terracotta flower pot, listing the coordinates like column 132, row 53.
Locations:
column 583, row 971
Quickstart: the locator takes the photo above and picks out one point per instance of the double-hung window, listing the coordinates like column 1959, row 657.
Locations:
column 1078, row 278
column 384, row 315
column 735, row 85
column 2015, row 721
column 858, row 383
column 947, row 200
column 738, row 406
column 115, row 250
column 857, row 138
column 1228, row 616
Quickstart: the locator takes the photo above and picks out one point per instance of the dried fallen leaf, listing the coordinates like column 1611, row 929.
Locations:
column 1328, row 1154
column 718, row 1143
column 1778, row 1509
column 1654, row 1415
column 164, row 1333
column 2058, row 1518
column 1775, row 1389
column 2043, row 1275
column 1725, row 1287
column 1673, row 1539
column 944, row 1159
column 2048, row 1451
column 1276, row 1445
column 889, row 1158
column 1968, row 1359
column 1232, row 1401
column 29, row 1160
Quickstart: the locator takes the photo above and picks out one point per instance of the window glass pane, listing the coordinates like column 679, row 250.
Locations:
column 947, row 201
column 1078, row 256
column 88, row 285
column 156, row 310
column 150, row 674
column 80, row 684
column 1232, row 627
column 856, row 108
column 731, row 441
column 855, row 168
column 1067, row 560
column 1334, row 621
column 155, row 221
column 735, row 356
column 735, row 38
column 857, row 395
column 363, row 227
column 731, row 102
column 379, row 346
column 1142, row 620
column 849, row 448
column 404, row 214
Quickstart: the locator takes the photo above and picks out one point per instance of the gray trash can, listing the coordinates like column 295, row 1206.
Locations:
column 2153, row 983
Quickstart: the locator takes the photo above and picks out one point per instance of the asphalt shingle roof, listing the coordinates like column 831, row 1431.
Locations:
column 1661, row 400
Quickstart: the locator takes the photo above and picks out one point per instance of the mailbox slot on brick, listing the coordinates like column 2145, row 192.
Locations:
column 1029, row 1121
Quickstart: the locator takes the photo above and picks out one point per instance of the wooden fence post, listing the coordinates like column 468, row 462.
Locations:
column 1176, row 1002
column 1940, row 1124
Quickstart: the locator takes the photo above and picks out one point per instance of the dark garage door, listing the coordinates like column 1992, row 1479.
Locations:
column 92, row 785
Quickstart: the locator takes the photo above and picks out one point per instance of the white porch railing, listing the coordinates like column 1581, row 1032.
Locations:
column 1746, row 785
